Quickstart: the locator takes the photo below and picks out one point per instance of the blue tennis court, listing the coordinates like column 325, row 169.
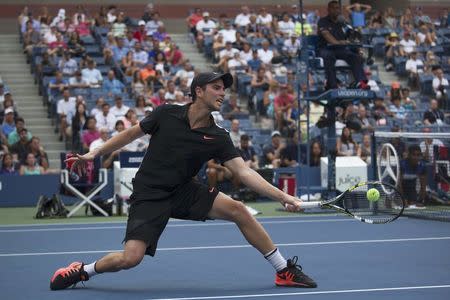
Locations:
column 408, row 259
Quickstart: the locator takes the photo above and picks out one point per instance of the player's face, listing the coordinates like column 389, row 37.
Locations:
column 334, row 10
column 214, row 95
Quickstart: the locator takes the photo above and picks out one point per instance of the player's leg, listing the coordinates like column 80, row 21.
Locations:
column 132, row 255
column 288, row 272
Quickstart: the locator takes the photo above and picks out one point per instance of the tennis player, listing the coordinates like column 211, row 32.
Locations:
column 183, row 139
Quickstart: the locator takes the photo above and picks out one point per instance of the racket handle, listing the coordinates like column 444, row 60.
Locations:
column 310, row 204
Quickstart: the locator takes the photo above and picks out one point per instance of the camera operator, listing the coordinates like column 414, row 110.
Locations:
column 332, row 32
column 440, row 88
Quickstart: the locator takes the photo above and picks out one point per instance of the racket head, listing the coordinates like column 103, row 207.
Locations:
column 387, row 208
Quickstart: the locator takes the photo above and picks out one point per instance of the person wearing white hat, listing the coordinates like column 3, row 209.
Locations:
column 206, row 28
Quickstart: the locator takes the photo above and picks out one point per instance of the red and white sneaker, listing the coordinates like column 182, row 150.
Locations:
column 292, row 276
column 68, row 276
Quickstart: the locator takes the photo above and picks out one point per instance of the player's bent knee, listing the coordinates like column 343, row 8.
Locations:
column 239, row 212
column 131, row 260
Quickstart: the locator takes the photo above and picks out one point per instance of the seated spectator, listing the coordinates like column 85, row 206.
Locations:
column 105, row 118
column 365, row 150
column 170, row 94
column 78, row 122
column 161, row 64
column 289, row 154
column 7, row 166
column 128, row 65
column 140, row 57
column 20, row 148
column 82, row 28
column 358, row 14
column 411, row 169
column 390, row 18
column 367, row 122
column 272, row 152
column 92, row 75
column 206, row 28
column 427, row 146
column 57, row 48
column 285, row 26
column 425, row 37
column 398, row 109
column 216, row 173
column 119, row 50
column 315, row 154
column 380, row 112
column 119, row 109
column 67, row 65
column 265, row 54
column 153, row 24
column 56, row 86
column 217, row 46
column 138, row 86
column 291, row 46
column 414, row 66
column 148, row 73
column 50, row 36
column 392, row 49
column 65, row 109
column 75, row 45
column 441, row 88
column 104, row 136
column 346, row 146
column 31, row 39
column 158, row 82
column 77, row 81
column 264, row 18
column 111, row 85
column 246, row 52
column 236, row 65
column 140, row 107
column 90, row 133
column 372, row 83
column 129, row 40
column 243, row 18
column 161, row 34
column 155, row 50
column 173, row 55
column 434, row 115
column 407, row 102
column 187, row 72
column 8, row 124
column 193, row 19
column 129, row 119
column 30, row 167
column 235, row 133
column 3, row 143
column 98, row 107
column 225, row 55
column 228, row 32
column 14, row 137
column 229, row 107
column 37, row 150
column 248, row 153
column 159, row 98
column 376, row 21
column 184, row 87
column 269, row 100
column 141, row 32
column 119, row 28
column 255, row 63
column 8, row 103
column 407, row 44
column 283, row 102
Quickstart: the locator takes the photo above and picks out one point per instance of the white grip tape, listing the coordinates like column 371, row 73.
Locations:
column 309, row 204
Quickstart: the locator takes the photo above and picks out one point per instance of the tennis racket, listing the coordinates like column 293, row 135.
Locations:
column 354, row 203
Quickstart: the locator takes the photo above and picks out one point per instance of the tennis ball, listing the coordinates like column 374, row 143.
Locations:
column 373, row 195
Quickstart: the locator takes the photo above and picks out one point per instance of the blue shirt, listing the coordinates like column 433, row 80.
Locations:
column 119, row 53
column 358, row 18
column 254, row 63
column 114, row 86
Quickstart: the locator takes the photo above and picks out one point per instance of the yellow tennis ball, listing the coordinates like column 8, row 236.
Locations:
column 373, row 195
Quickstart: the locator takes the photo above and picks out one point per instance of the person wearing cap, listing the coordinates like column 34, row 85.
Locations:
column 414, row 66
column 228, row 32
column 183, row 139
column 140, row 32
column 291, row 46
column 331, row 32
column 271, row 152
column 392, row 49
column 8, row 124
column 193, row 19
column 285, row 26
column 407, row 44
column 206, row 28
column 225, row 55
column 153, row 24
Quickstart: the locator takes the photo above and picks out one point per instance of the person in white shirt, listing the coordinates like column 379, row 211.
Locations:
column 187, row 72
column 50, row 36
column 265, row 54
column 372, row 83
column 246, row 52
column 92, row 75
column 104, row 136
column 228, row 33
column 407, row 44
column 171, row 92
column 206, row 28
column 243, row 18
column 414, row 66
column 291, row 46
column 286, row 27
column 264, row 18
column 105, row 118
column 119, row 109
column 140, row 57
column 440, row 86
column 236, row 64
column 64, row 108
column 225, row 55
column 427, row 146
column 98, row 107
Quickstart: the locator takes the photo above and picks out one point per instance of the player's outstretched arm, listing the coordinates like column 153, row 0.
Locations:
column 255, row 182
column 116, row 142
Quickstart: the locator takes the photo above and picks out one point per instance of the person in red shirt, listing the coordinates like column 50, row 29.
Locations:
column 283, row 102
column 193, row 19
column 174, row 56
column 57, row 46
column 140, row 33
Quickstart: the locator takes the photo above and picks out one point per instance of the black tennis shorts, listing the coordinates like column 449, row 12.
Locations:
column 147, row 219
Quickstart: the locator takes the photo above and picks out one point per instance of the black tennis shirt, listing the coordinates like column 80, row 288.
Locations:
column 335, row 28
column 176, row 152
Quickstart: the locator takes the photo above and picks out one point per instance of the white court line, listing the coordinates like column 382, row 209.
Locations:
column 171, row 220
column 235, row 246
column 173, row 225
column 403, row 288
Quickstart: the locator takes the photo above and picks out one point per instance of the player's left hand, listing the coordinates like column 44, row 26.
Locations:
column 291, row 203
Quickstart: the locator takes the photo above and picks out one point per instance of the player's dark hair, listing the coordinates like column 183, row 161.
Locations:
column 414, row 148
column 332, row 2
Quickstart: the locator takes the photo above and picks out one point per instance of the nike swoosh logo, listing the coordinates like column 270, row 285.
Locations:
column 207, row 137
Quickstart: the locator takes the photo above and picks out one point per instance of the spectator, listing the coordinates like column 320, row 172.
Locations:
column 159, row 98
column 140, row 57
column 7, row 166
column 92, row 75
column 216, row 172
column 330, row 32
column 365, row 150
column 248, row 153
column 30, row 167
column 427, row 146
column 75, row 45
column 161, row 64
column 425, row 37
column 20, row 148
column 283, row 102
column 230, row 107
column 111, row 85
column 358, row 14
column 90, row 133
column 246, row 52
column 367, row 122
column 289, row 154
column 242, row 19
column 414, row 66
column 411, row 169
column 398, row 109
column 264, row 18
column 315, row 154
column 119, row 109
column 372, row 83
column 138, row 85
column 225, row 55
column 269, row 100
column 376, row 21
column 8, row 124
column 236, row 65
column 57, row 86
column 440, row 88
column 141, row 32
column 255, row 62
column 265, row 54
column 193, row 19
column 140, row 107
column 407, row 44
column 186, row 73
column 346, row 146
column 291, row 46
column 77, row 81
column 285, row 26
column 433, row 115
column 398, row 144
column 98, row 107
column 206, row 28
column 407, row 102
column 420, row 18
column 119, row 50
column 228, row 32
column 129, row 41
column 129, row 119
column 148, row 73
column 235, row 133
column 173, row 55
column 50, row 36
column 37, row 150
column 407, row 20
column 271, row 152
column 14, row 137
column 119, row 28
column 380, row 112
column 104, row 136
column 31, row 39
column 152, row 25
column 83, row 28
column 104, row 119
column 78, row 122
column 57, row 48
column 65, row 109
column 390, row 18
column 170, row 92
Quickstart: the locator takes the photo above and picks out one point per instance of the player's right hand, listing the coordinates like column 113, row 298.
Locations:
column 78, row 163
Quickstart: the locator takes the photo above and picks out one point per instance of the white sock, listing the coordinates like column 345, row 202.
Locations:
column 276, row 259
column 90, row 269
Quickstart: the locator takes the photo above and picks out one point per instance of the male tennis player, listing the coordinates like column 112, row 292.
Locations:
column 183, row 139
